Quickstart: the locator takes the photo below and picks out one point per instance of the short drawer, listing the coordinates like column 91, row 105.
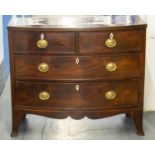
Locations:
column 110, row 41
column 27, row 42
column 77, row 67
column 77, row 95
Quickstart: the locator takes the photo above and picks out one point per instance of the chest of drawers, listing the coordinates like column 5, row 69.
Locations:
column 94, row 70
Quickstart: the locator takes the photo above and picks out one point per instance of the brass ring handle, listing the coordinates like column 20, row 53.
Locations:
column 111, row 42
column 110, row 95
column 111, row 67
column 42, row 43
column 43, row 67
column 44, row 95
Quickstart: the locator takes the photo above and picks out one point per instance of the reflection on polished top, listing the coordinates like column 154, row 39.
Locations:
column 75, row 21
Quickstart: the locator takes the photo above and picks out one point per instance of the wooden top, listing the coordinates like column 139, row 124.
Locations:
column 69, row 23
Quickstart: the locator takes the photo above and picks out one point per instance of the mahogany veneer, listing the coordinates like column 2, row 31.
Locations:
column 89, row 67
column 93, row 42
column 64, row 95
column 59, row 71
column 58, row 42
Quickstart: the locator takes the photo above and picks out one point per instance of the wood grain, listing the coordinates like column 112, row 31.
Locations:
column 60, row 42
column 89, row 95
column 88, row 68
column 94, row 42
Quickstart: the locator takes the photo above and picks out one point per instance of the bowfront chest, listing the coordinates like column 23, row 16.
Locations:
column 77, row 70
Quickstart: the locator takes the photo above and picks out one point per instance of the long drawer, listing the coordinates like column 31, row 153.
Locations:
column 77, row 67
column 77, row 95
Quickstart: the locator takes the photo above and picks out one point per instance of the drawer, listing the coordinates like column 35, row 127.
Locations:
column 77, row 68
column 109, row 41
column 27, row 42
column 77, row 95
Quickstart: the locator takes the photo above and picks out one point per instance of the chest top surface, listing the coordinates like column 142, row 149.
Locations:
column 75, row 23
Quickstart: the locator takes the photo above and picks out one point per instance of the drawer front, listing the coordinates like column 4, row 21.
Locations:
column 43, row 42
column 78, row 95
column 77, row 68
column 102, row 42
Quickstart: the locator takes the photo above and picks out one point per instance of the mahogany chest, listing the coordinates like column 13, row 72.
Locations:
column 82, row 68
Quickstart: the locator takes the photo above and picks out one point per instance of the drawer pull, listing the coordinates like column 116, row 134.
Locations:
column 43, row 67
column 111, row 67
column 111, row 42
column 44, row 95
column 110, row 95
column 42, row 43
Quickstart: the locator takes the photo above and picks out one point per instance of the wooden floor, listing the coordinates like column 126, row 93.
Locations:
column 37, row 127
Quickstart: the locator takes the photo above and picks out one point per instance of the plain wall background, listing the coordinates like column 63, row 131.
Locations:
column 1, row 40
column 6, row 19
column 149, row 95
